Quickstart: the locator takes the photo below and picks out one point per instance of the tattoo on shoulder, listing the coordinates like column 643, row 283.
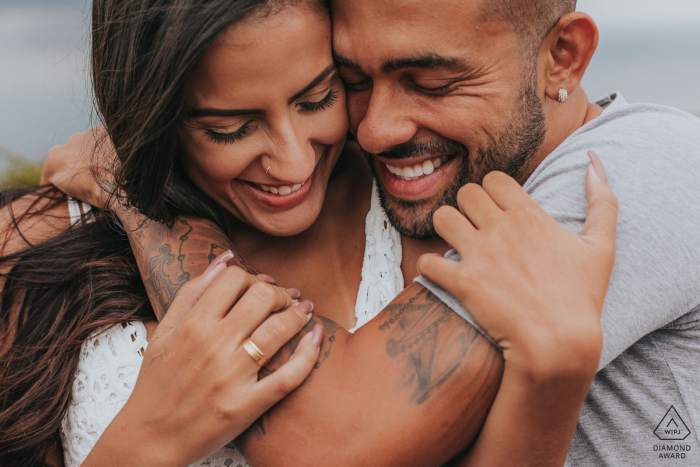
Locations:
column 427, row 339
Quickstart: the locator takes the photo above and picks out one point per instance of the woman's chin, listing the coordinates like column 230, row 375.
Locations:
column 284, row 227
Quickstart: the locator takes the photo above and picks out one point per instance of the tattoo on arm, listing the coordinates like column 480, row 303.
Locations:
column 428, row 339
column 168, row 258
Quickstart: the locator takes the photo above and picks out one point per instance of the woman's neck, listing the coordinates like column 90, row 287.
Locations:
column 325, row 261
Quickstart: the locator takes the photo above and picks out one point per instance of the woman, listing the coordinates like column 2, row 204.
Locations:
column 295, row 138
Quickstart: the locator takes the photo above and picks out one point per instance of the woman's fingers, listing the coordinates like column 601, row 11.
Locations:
column 226, row 290
column 504, row 190
column 453, row 227
column 253, row 308
column 478, row 206
column 279, row 329
column 601, row 216
column 444, row 272
column 191, row 293
column 289, row 376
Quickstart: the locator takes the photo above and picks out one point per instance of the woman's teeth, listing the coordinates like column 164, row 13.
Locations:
column 414, row 172
column 282, row 190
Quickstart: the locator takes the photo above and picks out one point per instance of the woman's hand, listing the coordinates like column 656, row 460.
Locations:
column 83, row 167
column 535, row 287
column 538, row 290
column 198, row 388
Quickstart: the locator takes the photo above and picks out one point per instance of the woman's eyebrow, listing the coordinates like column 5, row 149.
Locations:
column 316, row 81
column 210, row 112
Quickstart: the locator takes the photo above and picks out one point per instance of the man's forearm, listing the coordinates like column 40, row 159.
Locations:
column 169, row 257
column 412, row 387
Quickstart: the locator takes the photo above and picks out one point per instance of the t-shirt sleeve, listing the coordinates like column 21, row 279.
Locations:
column 652, row 157
column 449, row 299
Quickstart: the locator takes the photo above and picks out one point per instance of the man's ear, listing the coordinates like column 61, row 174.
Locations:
column 568, row 49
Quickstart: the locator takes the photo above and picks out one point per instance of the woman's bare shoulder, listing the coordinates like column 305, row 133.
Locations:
column 32, row 219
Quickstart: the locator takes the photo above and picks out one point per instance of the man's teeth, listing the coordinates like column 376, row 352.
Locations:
column 282, row 190
column 414, row 172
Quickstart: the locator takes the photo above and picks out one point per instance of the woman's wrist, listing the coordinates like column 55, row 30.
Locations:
column 128, row 443
column 544, row 355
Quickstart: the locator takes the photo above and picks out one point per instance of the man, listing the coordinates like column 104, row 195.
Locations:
column 494, row 85
column 487, row 82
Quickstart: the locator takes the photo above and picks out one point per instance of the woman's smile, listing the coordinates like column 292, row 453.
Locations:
column 278, row 196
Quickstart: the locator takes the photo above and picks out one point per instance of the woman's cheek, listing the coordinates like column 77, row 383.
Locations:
column 333, row 124
column 203, row 162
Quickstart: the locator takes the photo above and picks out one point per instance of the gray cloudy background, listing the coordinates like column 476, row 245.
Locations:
column 649, row 50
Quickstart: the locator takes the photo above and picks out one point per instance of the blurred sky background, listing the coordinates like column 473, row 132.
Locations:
column 649, row 50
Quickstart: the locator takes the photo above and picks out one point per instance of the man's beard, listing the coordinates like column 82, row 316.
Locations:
column 512, row 152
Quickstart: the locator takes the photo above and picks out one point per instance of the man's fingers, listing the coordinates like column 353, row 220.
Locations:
column 279, row 329
column 289, row 376
column 601, row 215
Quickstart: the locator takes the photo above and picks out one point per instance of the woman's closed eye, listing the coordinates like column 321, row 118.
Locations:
column 323, row 104
column 229, row 138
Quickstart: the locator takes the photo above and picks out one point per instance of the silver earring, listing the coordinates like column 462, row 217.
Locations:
column 563, row 96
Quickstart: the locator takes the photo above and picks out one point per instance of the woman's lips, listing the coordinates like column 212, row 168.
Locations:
column 280, row 200
column 399, row 184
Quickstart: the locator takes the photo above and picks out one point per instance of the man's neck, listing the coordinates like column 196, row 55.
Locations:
column 413, row 249
column 563, row 120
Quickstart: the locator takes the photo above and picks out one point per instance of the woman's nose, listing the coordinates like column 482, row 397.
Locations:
column 292, row 159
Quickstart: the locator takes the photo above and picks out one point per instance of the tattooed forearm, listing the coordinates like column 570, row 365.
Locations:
column 427, row 338
column 169, row 257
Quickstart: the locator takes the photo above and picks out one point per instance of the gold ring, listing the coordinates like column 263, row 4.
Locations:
column 255, row 353
column 267, row 172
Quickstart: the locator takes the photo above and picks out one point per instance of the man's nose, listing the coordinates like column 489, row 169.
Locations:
column 386, row 123
column 292, row 158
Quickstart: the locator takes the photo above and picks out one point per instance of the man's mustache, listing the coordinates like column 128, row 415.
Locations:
column 424, row 148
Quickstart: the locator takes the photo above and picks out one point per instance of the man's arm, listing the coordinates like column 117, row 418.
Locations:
column 412, row 387
column 169, row 257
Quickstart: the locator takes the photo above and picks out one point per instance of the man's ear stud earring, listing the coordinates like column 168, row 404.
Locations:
column 563, row 96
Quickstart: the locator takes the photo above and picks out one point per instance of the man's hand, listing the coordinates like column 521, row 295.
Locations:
column 83, row 167
column 533, row 286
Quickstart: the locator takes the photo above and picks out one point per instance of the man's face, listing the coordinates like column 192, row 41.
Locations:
column 438, row 96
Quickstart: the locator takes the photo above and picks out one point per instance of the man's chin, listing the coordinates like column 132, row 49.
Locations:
column 411, row 218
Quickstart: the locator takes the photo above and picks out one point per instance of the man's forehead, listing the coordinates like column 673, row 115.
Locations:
column 379, row 31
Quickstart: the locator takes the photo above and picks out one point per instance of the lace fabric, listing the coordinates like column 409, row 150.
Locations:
column 382, row 278
column 111, row 359
column 107, row 371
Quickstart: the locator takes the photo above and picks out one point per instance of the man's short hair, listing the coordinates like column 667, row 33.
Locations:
column 531, row 19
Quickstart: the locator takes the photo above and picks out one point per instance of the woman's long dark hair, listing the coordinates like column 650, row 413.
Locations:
column 59, row 292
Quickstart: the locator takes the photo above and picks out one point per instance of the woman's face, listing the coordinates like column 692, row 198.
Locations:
column 266, row 95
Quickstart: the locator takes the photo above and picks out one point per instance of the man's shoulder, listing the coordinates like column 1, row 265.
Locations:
column 645, row 149
column 652, row 157
column 640, row 124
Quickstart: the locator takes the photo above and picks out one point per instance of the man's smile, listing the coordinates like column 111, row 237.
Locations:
column 412, row 180
column 416, row 171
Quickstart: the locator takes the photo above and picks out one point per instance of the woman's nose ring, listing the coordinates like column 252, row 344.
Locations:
column 267, row 172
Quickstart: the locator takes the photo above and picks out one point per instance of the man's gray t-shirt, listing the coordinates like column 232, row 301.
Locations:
column 644, row 406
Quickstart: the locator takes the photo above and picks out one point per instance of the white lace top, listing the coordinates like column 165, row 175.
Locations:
column 110, row 360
